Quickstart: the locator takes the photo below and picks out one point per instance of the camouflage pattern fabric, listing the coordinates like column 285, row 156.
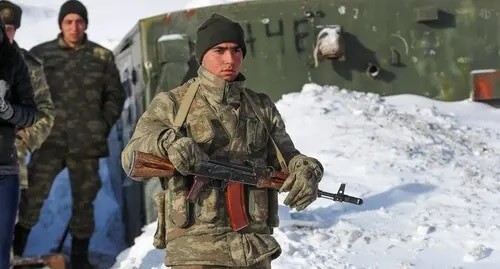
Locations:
column 45, row 164
column 266, row 264
column 185, row 155
column 31, row 138
column 224, row 126
column 302, row 183
column 88, row 98
column 87, row 94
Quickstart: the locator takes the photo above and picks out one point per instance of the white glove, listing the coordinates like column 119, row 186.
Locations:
column 5, row 108
column 4, row 87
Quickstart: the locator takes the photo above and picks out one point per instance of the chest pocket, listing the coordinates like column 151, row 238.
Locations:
column 94, row 70
column 202, row 131
column 256, row 136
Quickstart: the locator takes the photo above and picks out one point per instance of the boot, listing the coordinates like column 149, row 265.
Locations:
column 80, row 253
column 20, row 239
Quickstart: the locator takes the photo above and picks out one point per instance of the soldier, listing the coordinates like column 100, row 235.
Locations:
column 222, row 122
column 29, row 139
column 17, row 110
column 88, row 99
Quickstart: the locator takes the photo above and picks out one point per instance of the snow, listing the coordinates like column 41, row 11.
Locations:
column 427, row 170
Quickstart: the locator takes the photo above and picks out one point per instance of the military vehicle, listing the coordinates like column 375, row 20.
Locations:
column 447, row 50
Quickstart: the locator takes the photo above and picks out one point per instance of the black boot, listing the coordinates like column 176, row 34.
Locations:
column 20, row 239
column 80, row 253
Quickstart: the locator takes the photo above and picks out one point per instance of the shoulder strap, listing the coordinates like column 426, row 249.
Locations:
column 259, row 115
column 185, row 105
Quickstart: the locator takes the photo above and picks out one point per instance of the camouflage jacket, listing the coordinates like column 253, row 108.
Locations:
column 30, row 139
column 87, row 94
column 224, row 125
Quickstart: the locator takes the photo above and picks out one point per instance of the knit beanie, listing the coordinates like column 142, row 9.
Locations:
column 215, row 30
column 11, row 13
column 73, row 6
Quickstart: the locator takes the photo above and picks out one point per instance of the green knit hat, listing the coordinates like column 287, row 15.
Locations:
column 215, row 30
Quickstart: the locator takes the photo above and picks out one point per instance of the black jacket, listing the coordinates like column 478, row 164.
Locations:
column 14, row 72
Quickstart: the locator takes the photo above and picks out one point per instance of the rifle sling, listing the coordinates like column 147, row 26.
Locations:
column 181, row 115
column 259, row 115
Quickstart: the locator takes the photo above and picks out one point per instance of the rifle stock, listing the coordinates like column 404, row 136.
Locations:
column 146, row 165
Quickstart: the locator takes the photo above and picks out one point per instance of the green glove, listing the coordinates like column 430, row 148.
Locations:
column 185, row 155
column 302, row 183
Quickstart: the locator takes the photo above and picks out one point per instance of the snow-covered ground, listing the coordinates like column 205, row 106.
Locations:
column 427, row 170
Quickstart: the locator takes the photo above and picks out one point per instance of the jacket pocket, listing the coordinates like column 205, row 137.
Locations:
column 201, row 130
column 258, row 204
column 207, row 206
column 160, row 234
column 256, row 136
column 178, row 207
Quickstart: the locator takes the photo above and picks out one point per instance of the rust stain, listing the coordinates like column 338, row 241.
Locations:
column 189, row 13
column 167, row 19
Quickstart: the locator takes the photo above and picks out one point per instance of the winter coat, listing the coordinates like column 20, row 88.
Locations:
column 14, row 73
column 87, row 93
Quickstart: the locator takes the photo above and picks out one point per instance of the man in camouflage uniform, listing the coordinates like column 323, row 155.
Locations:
column 29, row 139
column 88, row 98
column 222, row 125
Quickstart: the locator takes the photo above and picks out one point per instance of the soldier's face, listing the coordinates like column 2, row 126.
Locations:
column 73, row 28
column 11, row 32
column 224, row 60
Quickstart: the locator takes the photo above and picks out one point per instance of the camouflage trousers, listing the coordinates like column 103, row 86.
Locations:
column 44, row 166
column 266, row 264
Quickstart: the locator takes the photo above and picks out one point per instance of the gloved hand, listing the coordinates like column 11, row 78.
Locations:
column 5, row 108
column 302, row 183
column 185, row 155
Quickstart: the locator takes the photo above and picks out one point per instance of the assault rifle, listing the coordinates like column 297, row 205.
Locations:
column 232, row 176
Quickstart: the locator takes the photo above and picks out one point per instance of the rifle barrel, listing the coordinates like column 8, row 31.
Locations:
column 340, row 197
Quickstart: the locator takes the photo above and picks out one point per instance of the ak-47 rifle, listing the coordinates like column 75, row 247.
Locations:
column 234, row 176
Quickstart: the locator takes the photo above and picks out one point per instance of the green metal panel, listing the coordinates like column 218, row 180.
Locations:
column 420, row 47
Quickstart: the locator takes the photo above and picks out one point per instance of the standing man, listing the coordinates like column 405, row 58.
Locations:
column 214, row 116
column 88, row 98
column 17, row 110
column 29, row 139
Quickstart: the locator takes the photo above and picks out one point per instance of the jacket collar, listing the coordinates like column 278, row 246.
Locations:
column 218, row 90
column 62, row 44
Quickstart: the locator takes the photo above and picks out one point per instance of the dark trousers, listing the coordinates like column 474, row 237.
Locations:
column 44, row 166
column 9, row 198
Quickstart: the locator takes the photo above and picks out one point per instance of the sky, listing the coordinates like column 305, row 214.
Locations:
column 427, row 170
